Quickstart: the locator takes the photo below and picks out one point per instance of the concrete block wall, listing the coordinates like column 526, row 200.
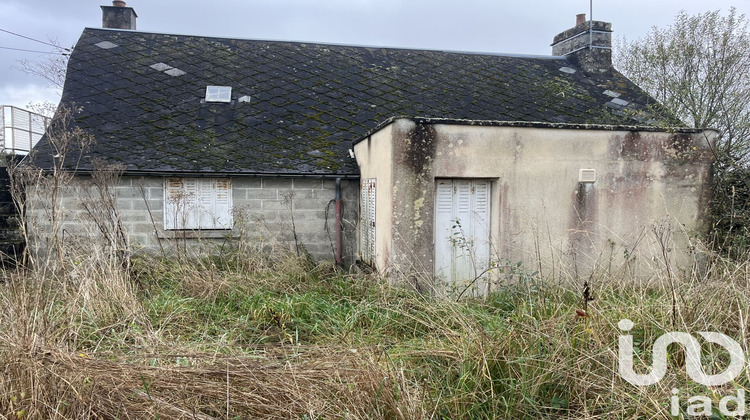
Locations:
column 274, row 209
column 267, row 211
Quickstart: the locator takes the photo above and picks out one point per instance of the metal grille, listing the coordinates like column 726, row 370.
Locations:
column 367, row 221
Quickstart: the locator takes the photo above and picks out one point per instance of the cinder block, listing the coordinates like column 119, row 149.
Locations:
column 247, row 183
column 321, row 251
column 310, row 204
column 69, row 202
column 274, row 205
column 134, row 216
column 155, row 206
column 324, row 194
column 314, row 215
column 155, row 193
column 127, row 192
column 261, row 194
column 244, row 207
column 141, row 228
column 304, row 194
column 140, row 241
column 307, row 227
column 306, row 183
column 278, row 183
column 141, row 205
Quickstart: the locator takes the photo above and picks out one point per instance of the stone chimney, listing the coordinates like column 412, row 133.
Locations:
column 118, row 16
column 588, row 43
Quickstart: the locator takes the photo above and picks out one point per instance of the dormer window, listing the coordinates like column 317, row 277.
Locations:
column 218, row 94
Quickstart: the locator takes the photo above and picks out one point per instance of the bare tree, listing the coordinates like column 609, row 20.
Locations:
column 699, row 68
column 52, row 69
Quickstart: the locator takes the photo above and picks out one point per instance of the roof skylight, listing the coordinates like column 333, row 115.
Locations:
column 218, row 94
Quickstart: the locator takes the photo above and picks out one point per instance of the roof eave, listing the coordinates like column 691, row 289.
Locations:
column 199, row 174
column 533, row 124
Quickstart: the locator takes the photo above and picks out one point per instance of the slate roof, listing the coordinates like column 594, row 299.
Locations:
column 141, row 97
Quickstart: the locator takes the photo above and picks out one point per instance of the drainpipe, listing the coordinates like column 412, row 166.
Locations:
column 339, row 240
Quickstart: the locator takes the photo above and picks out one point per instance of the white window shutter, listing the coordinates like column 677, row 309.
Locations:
column 445, row 198
column 204, row 205
column 443, row 236
column 481, row 195
column 191, row 210
column 223, row 204
column 173, row 202
column 198, row 203
column 463, row 198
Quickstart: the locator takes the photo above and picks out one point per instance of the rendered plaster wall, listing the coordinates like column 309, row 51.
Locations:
column 375, row 158
column 541, row 215
column 267, row 212
column 413, row 203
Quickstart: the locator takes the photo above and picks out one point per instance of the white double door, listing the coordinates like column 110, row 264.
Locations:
column 462, row 235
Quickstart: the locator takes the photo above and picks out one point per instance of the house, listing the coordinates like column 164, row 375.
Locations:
column 424, row 164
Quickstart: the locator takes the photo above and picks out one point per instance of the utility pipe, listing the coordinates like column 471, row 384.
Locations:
column 339, row 238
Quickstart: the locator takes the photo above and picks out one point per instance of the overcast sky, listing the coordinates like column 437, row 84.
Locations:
column 497, row 26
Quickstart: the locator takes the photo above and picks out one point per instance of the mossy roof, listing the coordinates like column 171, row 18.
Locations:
column 141, row 96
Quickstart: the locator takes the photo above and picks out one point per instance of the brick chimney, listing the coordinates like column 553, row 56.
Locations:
column 588, row 43
column 118, row 16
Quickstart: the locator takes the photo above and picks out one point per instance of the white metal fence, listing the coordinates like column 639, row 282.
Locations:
column 21, row 129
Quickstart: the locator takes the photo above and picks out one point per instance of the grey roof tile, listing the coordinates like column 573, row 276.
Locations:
column 308, row 101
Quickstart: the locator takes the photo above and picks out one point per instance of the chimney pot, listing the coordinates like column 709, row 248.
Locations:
column 580, row 18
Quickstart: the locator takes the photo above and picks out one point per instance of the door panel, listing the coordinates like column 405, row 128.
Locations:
column 462, row 247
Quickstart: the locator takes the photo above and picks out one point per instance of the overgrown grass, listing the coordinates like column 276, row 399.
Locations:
column 285, row 338
column 89, row 331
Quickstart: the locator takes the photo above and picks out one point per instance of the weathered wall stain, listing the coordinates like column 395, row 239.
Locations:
column 419, row 148
column 509, row 224
column 583, row 225
column 413, row 212
column 635, row 146
column 641, row 177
